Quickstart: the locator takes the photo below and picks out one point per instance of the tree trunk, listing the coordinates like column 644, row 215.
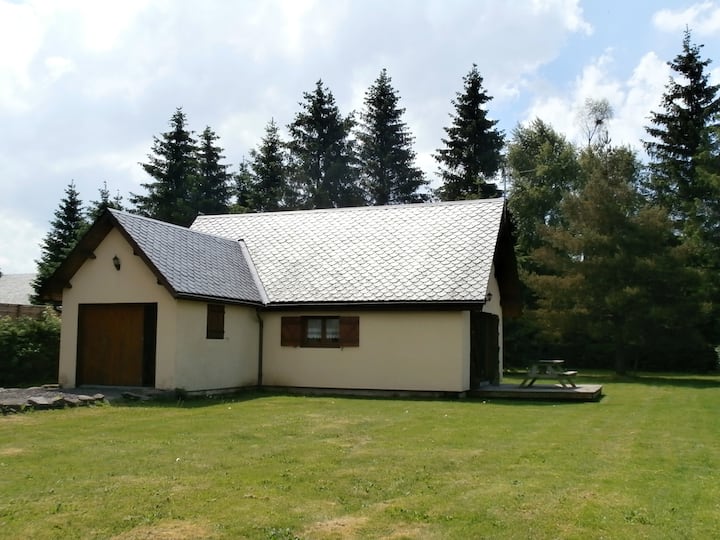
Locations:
column 620, row 367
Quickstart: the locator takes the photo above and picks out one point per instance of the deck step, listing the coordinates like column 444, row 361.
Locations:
column 555, row 392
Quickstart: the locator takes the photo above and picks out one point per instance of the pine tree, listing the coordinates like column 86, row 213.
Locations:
column 690, row 107
column 387, row 170
column 211, row 193
column 544, row 168
column 603, row 288
column 97, row 208
column 269, row 166
column 173, row 167
column 322, row 153
column 472, row 150
column 64, row 233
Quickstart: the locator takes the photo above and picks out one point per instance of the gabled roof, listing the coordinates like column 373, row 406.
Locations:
column 428, row 253
column 188, row 263
column 192, row 263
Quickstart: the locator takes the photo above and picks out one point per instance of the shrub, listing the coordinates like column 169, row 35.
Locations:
column 29, row 349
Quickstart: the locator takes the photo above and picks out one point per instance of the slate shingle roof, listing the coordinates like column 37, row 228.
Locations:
column 193, row 264
column 440, row 252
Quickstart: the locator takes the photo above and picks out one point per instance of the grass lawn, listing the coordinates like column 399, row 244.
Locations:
column 642, row 463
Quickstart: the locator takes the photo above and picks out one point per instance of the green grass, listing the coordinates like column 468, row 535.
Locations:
column 642, row 463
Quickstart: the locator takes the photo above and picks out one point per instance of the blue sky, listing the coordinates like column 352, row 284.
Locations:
column 85, row 85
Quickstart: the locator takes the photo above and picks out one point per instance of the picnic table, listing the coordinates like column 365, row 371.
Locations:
column 549, row 369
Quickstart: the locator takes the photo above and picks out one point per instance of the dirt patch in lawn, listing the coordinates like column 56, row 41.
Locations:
column 167, row 530
column 11, row 451
column 409, row 532
column 342, row 527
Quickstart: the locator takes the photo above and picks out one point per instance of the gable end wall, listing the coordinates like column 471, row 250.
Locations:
column 98, row 282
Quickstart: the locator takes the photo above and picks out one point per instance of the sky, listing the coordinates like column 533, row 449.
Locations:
column 86, row 85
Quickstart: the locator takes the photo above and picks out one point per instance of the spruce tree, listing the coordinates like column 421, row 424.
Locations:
column 387, row 161
column 96, row 208
column 269, row 171
column 244, row 190
column 324, row 161
column 472, row 150
column 211, row 192
column 65, row 231
column 685, row 155
column 690, row 106
column 174, row 170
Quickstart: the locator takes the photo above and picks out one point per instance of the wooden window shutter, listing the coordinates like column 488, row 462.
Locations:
column 349, row 331
column 291, row 330
column 215, row 321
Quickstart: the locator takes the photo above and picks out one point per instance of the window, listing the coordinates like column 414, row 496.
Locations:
column 320, row 331
column 215, row 321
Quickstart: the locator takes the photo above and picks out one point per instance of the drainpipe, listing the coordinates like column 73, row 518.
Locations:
column 260, row 348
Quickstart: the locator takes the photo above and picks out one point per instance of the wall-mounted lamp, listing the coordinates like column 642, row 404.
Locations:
column 116, row 262
column 488, row 297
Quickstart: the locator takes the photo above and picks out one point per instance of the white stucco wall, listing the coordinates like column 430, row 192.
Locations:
column 210, row 364
column 399, row 350
column 97, row 282
column 184, row 357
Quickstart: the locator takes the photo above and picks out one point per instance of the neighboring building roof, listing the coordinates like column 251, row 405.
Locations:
column 438, row 253
column 16, row 288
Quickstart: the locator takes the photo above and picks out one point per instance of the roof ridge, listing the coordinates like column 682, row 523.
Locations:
column 344, row 209
column 172, row 225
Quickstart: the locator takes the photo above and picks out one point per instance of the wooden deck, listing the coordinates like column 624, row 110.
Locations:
column 554, row 392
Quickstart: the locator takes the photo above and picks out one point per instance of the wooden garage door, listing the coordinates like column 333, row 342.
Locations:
column 116, row 344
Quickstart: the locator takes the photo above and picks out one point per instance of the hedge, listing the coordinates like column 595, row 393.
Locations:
column 29, row 350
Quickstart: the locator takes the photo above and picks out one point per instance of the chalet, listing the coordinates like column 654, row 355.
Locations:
column 390, row 298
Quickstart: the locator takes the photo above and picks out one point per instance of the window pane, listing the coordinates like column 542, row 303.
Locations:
column 332, row 329
column 314, row 329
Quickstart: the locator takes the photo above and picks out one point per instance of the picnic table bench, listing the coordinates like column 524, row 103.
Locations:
column 549, row 369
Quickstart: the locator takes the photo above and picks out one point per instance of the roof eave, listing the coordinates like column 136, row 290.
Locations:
column 217, row 299
column 396, row 305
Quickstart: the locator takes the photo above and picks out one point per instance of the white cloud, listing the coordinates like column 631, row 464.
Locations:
column 632, row 100
column 19, row 243
column 569, row 10
column 57, row 66
column 100, row 25
column 702, row 18
column 20, row 38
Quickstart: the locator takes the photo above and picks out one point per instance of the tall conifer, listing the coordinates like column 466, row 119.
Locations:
column 387, row 169
column 324, row 161
column 211, row 192
column 690, row 106
column 173, row 167
column 269, row 166
column 66, row 227
column 472, row 150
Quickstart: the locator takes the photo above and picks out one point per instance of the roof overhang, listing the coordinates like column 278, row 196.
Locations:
column 84, row 249
column 375, row 306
